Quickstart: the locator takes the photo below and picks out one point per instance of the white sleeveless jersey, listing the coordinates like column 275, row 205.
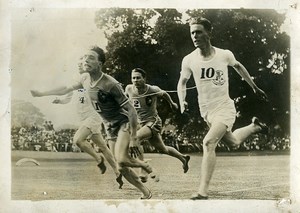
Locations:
column 84, row 104
column 211, row 77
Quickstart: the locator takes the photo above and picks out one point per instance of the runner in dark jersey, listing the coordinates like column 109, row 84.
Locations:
column 117, row 112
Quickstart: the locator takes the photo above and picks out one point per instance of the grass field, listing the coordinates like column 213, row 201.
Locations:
column 74, row 176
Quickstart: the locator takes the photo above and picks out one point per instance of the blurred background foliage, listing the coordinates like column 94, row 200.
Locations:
column 158, row 39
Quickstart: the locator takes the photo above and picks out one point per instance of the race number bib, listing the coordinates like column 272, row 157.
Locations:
column 136, row 104
column 96, row 106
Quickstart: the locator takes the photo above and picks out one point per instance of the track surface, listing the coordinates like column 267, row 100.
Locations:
column 74, row 176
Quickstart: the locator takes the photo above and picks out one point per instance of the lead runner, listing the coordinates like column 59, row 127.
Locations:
column 209, row 67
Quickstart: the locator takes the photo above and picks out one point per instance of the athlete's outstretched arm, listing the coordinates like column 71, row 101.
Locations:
column 168, row 98
column 181, row 92
column 242, row 71
column 56, row 91
column 64, row 100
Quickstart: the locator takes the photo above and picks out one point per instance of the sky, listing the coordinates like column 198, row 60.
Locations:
column 46, row 44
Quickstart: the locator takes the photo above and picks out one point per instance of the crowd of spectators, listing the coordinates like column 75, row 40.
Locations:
column 257, row 142
column 46, row 138
column 42, row 138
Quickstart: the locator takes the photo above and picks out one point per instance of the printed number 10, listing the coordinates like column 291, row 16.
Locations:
column 207, row 73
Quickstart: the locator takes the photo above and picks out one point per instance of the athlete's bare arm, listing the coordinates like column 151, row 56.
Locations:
column 242, row 71
column 64, row 100
column 126, row 91
column 168, row 98
column 57, row 91
column 181, row 92
column 132, row 116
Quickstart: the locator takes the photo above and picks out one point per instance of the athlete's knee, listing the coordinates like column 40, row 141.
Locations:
column 235, row 141
column 163, row 150
column 129, row 173
column 121, row 169
column 103, row 147
column 79, row 142
column 210, row 144
column 122, row 162
column 143, row 135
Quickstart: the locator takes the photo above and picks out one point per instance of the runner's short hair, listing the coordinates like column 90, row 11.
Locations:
column 143, row 72
column 203, row 21
column 100, row 52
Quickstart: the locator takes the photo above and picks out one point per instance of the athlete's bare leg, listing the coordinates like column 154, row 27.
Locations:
column 111, row 144
column 156, row 140
column 235, row 138
column 210, row 142
column 125, row 162
column 80, row 139
column 158, row 143
column 143, row 134
column 122, row 152
column 98, row 139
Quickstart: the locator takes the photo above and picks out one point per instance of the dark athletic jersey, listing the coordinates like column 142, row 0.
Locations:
column 107, row 97
column 146, row 103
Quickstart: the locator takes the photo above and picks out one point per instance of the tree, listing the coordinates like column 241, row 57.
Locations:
column 129, row 43
column 254, row 36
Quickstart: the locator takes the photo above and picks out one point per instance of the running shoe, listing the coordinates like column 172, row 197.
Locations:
column 144, row 179
column 148, row 197
column 120, row 181
column 199, row 197
column 264, row 128
column 102, row 166
column 154, row 176
column 185, row 166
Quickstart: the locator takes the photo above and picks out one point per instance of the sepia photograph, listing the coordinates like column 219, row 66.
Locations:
column 150, row 109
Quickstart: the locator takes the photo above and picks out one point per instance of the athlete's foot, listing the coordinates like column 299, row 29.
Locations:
column 147, row 168
column 147, row 197
column 264, row 128
column 154, row 176
column 185, row 166
column 102, row 166
column 143, row 174
column 143, row 178
column 151, row 172
column 199, row 197
column 120, row 181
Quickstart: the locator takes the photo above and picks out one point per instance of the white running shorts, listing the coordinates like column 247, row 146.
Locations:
column 224, row 112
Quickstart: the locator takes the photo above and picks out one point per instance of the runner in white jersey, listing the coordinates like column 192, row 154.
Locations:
column 144, row 99
column 90, row 125
column 116, row 111
column 208, row 65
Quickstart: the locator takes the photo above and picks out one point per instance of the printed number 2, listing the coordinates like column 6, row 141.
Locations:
column 136, row 104
column 97, row 107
